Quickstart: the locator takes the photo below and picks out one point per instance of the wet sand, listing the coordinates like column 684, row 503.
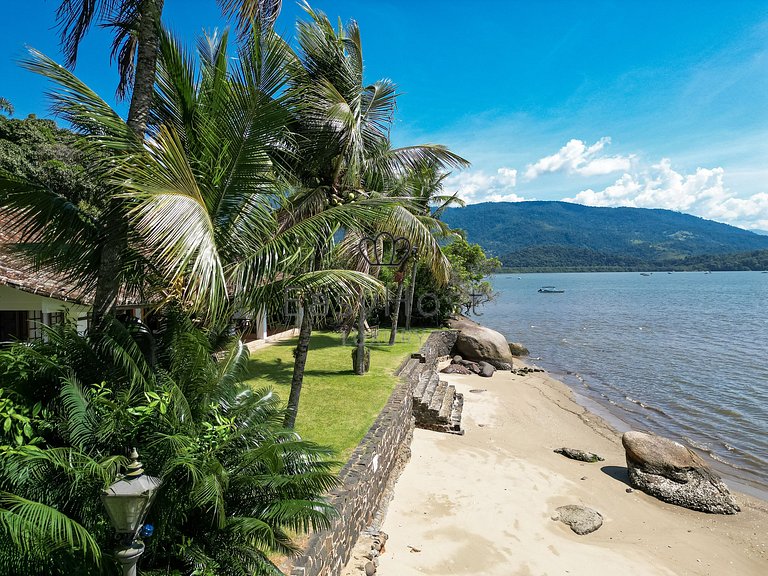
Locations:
column 481, row 504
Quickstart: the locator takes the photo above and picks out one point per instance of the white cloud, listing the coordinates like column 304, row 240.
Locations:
column 578, row 158
column 476, row 186
column 702, row 193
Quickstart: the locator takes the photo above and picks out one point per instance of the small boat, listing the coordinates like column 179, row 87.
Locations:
column 550, row 290
column 645, row 273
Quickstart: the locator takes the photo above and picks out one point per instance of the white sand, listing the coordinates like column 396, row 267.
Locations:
column 482, row 503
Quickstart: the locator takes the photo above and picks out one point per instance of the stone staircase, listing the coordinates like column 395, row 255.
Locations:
column 436, row 404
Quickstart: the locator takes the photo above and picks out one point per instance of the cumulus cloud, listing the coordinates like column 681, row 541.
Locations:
column 578, row 158
column 476, row 186
column 702, row 193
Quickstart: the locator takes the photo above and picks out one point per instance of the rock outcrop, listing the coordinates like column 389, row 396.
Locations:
column 456, row 369
column 576, row 454
column 486, row 369
column 476, row 342
column 581, row 519
column 673, row 473
column 517, row 349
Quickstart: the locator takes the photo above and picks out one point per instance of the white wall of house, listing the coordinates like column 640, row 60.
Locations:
column 15, row 300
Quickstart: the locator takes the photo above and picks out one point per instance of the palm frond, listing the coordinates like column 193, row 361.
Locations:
column 26, row 522
column 81, row 106
column 80, row 422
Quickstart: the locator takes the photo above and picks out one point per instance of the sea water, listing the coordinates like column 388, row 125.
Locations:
column 680, row 354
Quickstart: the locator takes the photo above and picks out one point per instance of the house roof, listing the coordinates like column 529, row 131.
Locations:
column 17, row 273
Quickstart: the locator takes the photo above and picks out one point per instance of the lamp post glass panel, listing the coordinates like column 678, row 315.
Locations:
column 127, row 502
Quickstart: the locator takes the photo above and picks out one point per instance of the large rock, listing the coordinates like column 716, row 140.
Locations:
column 456, row 369
column 517, row 349
column 476, row 342
column 581, row 519
column 486, row 369
column 468, row 364
column 673, row 473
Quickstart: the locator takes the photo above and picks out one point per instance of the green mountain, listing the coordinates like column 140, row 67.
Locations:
column 561, row 235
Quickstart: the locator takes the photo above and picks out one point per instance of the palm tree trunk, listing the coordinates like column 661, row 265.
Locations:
column 302, row 351
column 146, row 65
column 396, row 313
column 116, row 240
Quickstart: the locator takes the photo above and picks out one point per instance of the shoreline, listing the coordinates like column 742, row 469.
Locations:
column 620, row 425
column 482, row 503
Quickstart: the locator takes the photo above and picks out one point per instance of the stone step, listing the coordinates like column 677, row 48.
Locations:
column 429, row 391
column 447, row 406
column 436, row 402
column 421, row 385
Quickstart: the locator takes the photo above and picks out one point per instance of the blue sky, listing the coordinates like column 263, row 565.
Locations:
column 656, row 104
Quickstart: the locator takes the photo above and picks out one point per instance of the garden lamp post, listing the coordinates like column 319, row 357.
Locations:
column 127, row 502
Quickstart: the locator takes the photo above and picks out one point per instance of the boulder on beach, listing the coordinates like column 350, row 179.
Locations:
column 581, row 519
column 486, row 369
column 468, row 364
column 576, row 454
column 517, row 349
column 456, row 369
column 475, row 342
column 674, row 473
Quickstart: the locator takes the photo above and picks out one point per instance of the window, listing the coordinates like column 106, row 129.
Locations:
column 13, row 326
column 35, row 325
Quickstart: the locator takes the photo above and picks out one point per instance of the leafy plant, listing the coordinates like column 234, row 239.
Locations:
column 236, row 484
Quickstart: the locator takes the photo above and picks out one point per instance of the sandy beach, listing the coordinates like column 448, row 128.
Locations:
column 482, row 503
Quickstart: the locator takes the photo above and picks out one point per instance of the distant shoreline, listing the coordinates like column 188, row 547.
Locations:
column 598, row 269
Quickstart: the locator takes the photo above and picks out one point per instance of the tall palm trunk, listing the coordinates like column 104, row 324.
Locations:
column 116, row 240
column 302, row 351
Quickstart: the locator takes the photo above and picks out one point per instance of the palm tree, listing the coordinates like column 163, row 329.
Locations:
column 5, row 106
column 343, row 152
column 136, row 46
column 424, row 186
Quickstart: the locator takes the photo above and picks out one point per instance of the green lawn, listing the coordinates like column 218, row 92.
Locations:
column 337, row 407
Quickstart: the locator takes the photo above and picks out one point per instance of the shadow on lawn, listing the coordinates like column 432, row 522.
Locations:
column 318, row 342
column 280, row 371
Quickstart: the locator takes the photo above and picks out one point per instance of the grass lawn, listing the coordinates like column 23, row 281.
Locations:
column 337, row 407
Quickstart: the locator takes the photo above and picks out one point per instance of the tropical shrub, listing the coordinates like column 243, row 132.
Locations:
column 236, row 483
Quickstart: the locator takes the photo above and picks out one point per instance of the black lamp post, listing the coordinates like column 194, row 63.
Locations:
column 127, row 502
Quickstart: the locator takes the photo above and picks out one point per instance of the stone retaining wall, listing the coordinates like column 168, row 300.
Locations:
column 384, row 449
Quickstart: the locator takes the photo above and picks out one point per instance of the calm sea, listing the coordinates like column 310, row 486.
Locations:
column 684, row 355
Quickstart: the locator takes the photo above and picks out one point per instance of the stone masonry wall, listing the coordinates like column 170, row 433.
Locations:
column 364, row 478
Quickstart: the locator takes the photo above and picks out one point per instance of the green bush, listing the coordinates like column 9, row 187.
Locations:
column 236, row 484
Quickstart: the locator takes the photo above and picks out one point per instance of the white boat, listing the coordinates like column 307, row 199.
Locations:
column 550, row 290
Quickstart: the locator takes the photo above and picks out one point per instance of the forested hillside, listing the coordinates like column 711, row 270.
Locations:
column 561, row 235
